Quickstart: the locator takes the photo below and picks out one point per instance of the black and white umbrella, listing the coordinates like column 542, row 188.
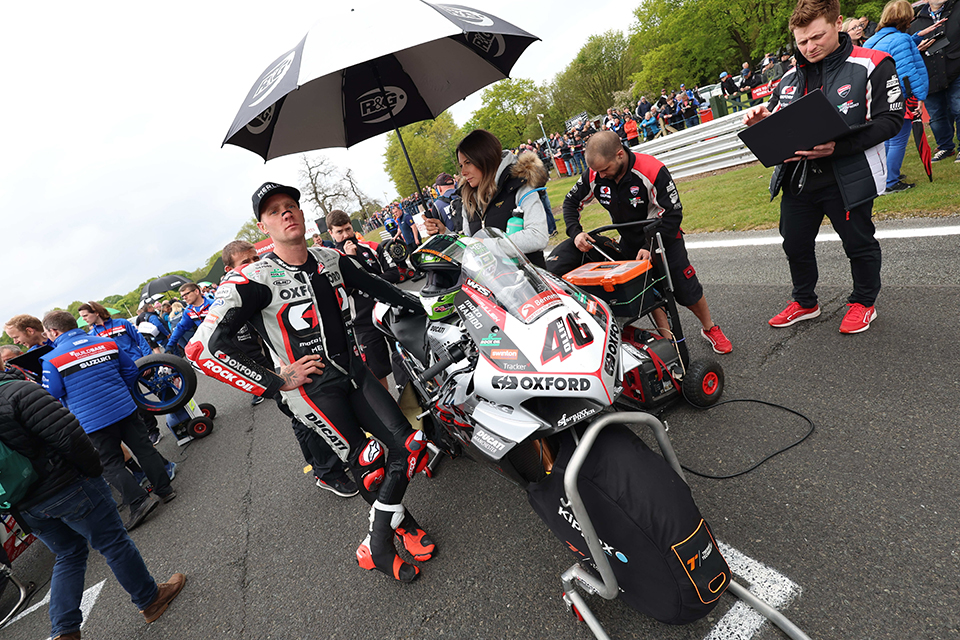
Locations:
column 154, row 290
column 371, row 67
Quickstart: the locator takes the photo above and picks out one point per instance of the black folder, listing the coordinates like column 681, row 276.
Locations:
column 31, row 359
column 809, row 121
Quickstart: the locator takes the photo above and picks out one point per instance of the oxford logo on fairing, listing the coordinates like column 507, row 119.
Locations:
column 610, row 358
column 541, row 383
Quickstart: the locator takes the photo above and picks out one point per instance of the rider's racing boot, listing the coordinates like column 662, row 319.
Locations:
column 415, row 540
column 377, row 550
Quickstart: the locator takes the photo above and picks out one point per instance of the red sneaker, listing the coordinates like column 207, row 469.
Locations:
column 716, row 339
column 858, row 318
column 793, row 314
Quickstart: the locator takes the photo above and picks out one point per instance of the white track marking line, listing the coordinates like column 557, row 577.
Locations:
column 742, row 622
column 925, row 232
column 86, row 603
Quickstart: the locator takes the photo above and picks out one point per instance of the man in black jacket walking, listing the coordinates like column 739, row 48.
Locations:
column 70, row 506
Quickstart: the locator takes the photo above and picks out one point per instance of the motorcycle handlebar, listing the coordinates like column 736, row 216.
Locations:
column 455, row 354
column 621, row 225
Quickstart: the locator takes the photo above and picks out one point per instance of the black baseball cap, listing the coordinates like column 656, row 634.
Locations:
column 268, row 189
column 444, row 179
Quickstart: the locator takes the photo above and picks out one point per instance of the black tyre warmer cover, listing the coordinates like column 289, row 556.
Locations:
column 663, row 554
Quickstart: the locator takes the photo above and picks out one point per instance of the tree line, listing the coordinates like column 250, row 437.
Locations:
column 668, row 42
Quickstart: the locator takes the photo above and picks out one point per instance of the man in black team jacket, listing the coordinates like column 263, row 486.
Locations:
column 840, row 178
column 372, row 342
column 631, row 187
column 296, row 299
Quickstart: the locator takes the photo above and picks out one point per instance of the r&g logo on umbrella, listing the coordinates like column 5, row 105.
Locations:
column 374, row 108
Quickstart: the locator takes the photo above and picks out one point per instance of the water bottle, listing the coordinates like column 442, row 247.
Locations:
column 515, row 222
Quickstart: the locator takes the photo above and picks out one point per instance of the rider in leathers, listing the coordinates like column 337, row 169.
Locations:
column 298, row 305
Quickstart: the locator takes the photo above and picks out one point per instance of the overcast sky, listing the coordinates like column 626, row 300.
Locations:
column 111, row 169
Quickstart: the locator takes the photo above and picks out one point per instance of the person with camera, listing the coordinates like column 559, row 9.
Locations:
column 937, row 22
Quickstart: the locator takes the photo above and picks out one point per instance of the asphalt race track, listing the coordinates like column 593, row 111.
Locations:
column 858, row 524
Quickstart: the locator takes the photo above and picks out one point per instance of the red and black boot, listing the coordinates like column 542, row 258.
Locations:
column 377, row 550
column 415, row 539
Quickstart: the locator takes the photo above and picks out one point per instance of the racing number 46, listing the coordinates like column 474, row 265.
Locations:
column 563, row 336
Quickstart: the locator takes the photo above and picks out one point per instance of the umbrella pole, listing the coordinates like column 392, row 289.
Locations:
column 403, row 147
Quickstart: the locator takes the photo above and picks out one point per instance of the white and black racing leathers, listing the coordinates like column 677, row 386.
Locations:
column 301, row 310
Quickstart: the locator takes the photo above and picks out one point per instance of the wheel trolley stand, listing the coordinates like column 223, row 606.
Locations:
column 15, row 542
column 606, row 586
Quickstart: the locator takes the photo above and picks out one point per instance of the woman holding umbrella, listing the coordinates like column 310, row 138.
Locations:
column 892, row 38
column 496, row 186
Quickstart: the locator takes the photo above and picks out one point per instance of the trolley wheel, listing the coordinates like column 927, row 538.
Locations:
column 209, row 411
column 200, row 427
column 164, row 383
column 703, row 382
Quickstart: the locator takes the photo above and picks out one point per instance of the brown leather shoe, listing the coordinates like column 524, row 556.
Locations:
column 165, row 595
column 69, row 636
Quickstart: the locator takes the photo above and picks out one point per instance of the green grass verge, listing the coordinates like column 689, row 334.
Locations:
column 738, row 199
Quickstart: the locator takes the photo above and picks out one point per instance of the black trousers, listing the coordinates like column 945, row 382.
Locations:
column 316, row 452
column 131, row 432
column 800, row 218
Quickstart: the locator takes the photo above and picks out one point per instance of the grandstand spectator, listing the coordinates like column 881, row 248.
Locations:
column 687, row 109
column 728, row 86
column 632, row 131
column 643, row 106
column 579, row 164
column 649, row 125
column 750, row 80
column 662, row 100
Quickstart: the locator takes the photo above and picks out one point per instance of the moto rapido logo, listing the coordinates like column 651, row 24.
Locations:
column 272, row 78
column 467, row 15
column 375, row 105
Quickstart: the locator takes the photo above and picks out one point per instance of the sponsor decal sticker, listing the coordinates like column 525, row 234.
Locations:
column 503, row 354
column 280, row 283
column 789, row 91
column 843, row 91
column 541, row 383
column 538, row 303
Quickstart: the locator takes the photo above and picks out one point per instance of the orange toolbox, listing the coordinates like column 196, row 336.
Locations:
column 619, row 284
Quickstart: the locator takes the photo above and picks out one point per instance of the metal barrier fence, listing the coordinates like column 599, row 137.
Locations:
column 706, row 147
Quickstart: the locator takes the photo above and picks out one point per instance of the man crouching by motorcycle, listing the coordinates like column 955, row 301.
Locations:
column 295, row 298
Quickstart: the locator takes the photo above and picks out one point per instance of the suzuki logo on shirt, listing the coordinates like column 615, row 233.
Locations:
column 302, row 316
column 843, row 91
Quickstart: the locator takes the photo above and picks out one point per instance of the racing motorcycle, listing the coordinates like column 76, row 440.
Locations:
column 539, row 379
column 508, row 355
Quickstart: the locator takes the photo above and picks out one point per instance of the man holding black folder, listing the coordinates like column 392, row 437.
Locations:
column 839, row 178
